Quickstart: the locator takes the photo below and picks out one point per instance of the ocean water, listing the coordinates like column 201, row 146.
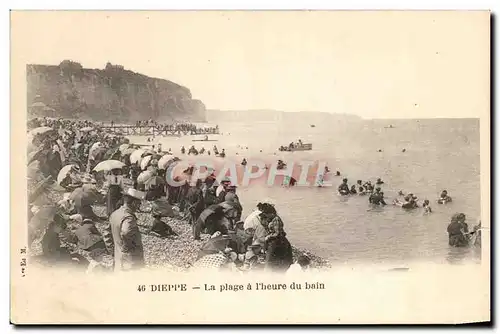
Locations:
column 440, row 154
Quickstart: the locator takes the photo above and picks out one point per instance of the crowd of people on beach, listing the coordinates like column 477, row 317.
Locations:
column 73, row 166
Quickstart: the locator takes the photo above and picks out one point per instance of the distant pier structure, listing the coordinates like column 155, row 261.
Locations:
column 155, row 130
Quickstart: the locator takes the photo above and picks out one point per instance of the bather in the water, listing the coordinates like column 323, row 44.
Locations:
column 444, row 198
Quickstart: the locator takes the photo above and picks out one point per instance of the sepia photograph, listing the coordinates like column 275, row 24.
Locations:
column 275, row 151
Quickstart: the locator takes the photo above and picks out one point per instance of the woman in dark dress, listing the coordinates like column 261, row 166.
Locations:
column 114, row 195
column 279, row 255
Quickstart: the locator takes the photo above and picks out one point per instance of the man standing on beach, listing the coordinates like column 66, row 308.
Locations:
column 128, row 247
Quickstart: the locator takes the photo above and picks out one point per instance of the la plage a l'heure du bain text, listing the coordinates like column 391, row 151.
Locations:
column 232, row 287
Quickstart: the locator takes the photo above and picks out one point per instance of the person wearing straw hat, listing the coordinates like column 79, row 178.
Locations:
column 128, row 247
column 251, row 257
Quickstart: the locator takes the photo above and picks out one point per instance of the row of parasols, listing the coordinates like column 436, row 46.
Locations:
column 141, row 157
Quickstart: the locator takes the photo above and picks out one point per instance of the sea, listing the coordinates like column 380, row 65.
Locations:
column 439, row 154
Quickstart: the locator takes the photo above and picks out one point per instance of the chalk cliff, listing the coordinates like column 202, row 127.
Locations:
column 113, row 93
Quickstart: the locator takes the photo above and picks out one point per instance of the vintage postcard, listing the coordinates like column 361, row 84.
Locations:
column 250, row 167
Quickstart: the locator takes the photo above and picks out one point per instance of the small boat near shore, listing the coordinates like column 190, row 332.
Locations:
column 205, row 138
column 303, row 147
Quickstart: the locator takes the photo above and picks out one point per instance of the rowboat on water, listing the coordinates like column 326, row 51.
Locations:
column 205, row 139
column 303, row 147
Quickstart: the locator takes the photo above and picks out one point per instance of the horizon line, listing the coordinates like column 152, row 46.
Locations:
column 338, row 113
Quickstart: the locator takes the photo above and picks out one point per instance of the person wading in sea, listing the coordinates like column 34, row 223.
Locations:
column 457, row 231
column 344, row 188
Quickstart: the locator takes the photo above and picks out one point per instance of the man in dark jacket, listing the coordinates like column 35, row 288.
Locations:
column 195, row 201
column 128, row 247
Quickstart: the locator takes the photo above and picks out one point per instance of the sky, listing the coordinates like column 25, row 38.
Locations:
column 371, row 64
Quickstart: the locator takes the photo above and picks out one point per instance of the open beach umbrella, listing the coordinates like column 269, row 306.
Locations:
column 30, row 147
column 34, row 170
column 40, row 131
column 36, row 155
column 145, row 161
column 38, row 105
column 95, row 146
column 38, row 195
column 136, row 155
column 63, row 173
column 166, row 159
column 108, row 165
column 123, row 147
column 40, row 221
column 96, row 149
column 144, row 177
column 128, row 151
column 149, row 152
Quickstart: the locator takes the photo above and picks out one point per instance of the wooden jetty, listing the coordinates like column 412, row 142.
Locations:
column 151, row 130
